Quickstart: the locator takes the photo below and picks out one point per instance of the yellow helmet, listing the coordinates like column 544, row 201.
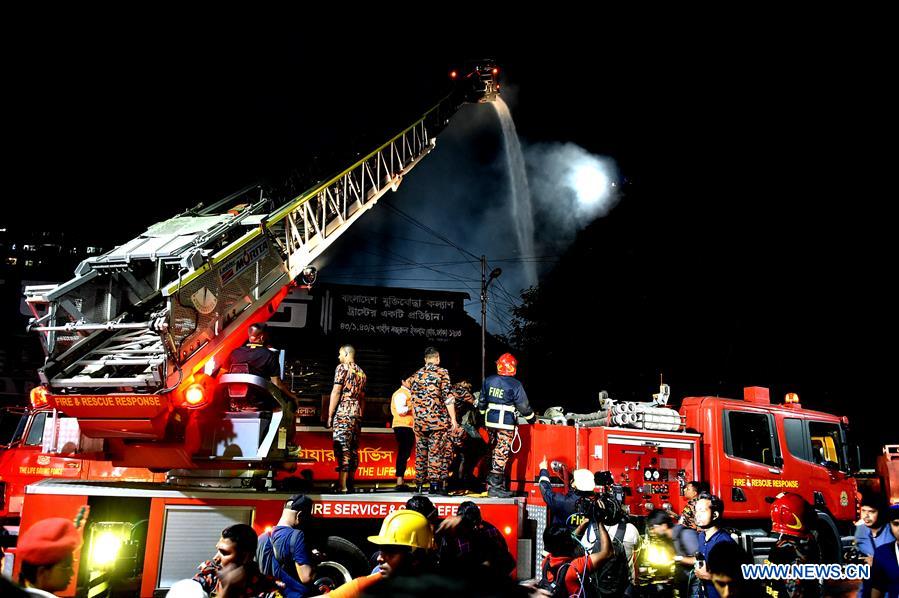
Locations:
column 405, row 528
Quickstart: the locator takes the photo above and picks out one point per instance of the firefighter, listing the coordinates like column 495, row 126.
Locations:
column 260, row 360
column 459, row 462
column 793, row 518
column 46, row 552
column 434, row 418
column 345, row 415
column 500, row 397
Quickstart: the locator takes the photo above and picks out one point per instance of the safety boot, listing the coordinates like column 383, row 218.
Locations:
column 496, row 486
column 438, row 489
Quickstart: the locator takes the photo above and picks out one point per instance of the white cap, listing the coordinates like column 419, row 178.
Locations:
column 186, row 588
column 584, row 480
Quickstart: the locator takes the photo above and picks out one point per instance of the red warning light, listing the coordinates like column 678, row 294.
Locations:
column 195, row 396
column 453, row 74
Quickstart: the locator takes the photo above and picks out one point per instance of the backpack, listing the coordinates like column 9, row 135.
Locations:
column 612, row 577
column 556, row 587
column 267, row 563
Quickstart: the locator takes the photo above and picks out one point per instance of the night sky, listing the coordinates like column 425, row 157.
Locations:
column 750, row 244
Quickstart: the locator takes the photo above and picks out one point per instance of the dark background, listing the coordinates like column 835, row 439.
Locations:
column 751, row 244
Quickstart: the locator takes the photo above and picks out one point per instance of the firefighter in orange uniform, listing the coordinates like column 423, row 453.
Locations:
column 434, row 418
column 457, row 461
column 345, row 415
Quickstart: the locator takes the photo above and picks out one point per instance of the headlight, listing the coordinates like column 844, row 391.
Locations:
column 107, row 540
column 658, row 556
column 105, row 549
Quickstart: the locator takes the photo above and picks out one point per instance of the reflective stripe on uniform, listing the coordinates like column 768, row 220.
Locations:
column 502, row 409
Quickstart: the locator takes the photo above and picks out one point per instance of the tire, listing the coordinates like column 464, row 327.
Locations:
column 342, row 560
column 828, row 538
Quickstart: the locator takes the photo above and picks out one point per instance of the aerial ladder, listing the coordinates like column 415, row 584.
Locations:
column 134, row 342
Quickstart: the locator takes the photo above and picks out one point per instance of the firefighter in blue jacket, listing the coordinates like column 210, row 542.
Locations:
column 501, row 396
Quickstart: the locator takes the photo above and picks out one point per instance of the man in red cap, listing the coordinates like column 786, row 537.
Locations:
column 46, row 552
column 501, row 397
column 793, row 518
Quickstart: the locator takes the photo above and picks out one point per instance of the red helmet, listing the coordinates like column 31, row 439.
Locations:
column 506, row 365
column 792, row 515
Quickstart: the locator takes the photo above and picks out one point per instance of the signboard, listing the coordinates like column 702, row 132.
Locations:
column 377, row 455
column 393, row 312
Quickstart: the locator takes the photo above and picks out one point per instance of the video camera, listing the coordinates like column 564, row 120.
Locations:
column 604, row 507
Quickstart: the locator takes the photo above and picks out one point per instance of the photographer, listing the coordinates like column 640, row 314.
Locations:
column 684, row 541
column 577, row 574
column 604, row 516
column 562, row 505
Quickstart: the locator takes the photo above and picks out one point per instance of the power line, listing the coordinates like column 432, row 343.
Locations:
column 399, row 267
column 430, row 230
column 433, row 232
column 528, row 258
column 389, row 236
column 409, row 261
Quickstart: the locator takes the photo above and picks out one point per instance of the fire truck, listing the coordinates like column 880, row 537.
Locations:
column 133, row 380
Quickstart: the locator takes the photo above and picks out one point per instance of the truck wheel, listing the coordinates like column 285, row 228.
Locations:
column 828, row 539
column 341, row 561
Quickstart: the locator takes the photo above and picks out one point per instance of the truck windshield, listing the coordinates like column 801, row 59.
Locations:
column 12, row 424
column 36, row 433
column 827, row 444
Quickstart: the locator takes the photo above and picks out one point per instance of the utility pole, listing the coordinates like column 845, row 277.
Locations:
column 485, row 282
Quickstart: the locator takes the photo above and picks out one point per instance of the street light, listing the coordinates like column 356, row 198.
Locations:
column 485, row 282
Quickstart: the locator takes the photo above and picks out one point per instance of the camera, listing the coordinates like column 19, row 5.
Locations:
column 600, row 509
column 604, row 478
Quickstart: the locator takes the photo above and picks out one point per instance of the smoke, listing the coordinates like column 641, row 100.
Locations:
column 570, row 187
column 463, row 192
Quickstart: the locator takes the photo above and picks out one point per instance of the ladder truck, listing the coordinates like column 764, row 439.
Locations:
column 134, row 346
column 135, row 341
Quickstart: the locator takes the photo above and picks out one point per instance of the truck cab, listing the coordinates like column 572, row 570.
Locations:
column 753, row 449
column 40, row 443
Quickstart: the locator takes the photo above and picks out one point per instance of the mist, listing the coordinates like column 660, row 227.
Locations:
column 464, row 191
